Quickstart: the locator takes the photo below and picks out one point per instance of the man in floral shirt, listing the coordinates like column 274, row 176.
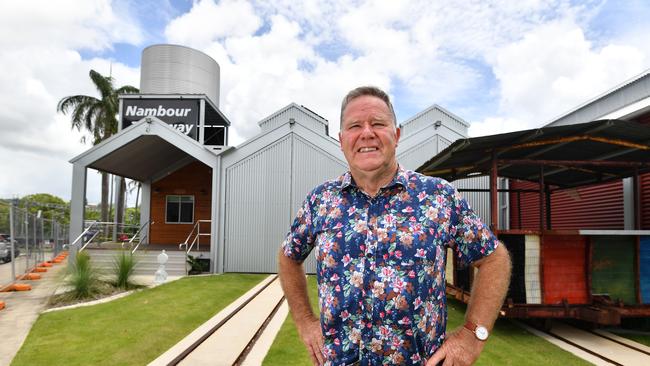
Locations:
column 380, row 234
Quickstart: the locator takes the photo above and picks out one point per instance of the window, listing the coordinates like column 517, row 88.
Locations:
column 180, row 210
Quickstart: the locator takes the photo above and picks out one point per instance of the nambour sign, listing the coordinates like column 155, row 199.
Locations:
column 183, row 114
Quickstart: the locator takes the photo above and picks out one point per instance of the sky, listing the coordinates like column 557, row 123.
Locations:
column 500, row 65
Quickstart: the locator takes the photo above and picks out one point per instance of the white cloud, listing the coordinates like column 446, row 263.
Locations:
column 207, row 21
column 41, row 65
column 552, row 69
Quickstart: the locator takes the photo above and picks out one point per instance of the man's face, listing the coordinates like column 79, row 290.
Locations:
column 368, row 136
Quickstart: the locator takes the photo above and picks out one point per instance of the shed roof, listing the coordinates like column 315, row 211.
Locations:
column 569, row 156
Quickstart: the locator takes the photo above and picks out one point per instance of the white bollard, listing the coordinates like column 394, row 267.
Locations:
column 161, row 274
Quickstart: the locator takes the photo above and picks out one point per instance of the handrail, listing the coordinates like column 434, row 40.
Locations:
column 93, row 223
column 89, row 241
column 143, row 238
column 197, row 228
column 130, row 242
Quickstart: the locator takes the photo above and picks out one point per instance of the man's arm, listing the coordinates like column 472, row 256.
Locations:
column 461, row 347
column 294, row 285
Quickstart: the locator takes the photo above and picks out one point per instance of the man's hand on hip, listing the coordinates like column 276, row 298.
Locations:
column 312, row 336
column 461, row 348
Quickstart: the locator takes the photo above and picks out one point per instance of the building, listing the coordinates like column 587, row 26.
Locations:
column 613, row 205
column 231, row 204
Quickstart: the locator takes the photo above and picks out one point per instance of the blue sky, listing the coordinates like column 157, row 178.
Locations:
column 500, row 65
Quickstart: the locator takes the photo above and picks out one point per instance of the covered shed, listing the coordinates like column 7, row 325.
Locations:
column 592, row 274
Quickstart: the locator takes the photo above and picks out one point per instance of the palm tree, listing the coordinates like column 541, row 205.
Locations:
column 99, row 118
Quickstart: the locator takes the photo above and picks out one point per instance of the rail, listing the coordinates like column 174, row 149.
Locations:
column 94, row 229
column 194, row 237
column 138, row 234
column 596, row 346
column 258, row 315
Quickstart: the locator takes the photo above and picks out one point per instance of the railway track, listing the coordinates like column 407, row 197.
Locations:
column 598, row 347
column 240, row 334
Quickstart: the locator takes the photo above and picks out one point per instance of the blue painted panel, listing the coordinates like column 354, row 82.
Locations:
column 644, row 275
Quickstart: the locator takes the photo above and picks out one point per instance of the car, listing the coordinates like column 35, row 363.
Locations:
column 5, row 248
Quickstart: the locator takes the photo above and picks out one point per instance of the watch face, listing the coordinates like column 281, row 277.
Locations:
column 481, row 333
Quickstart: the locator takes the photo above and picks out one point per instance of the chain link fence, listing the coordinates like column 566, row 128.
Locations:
column 27, row 239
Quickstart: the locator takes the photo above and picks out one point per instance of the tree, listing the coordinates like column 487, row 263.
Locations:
column 52, row 209
column 98, row 117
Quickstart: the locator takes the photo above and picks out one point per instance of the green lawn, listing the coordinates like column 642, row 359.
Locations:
column 133, row 330
column 508, row 344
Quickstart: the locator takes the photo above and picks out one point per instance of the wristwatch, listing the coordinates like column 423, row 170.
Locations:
column 479, row 331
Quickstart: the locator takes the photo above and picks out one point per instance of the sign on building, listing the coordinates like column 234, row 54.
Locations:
column 183, row 114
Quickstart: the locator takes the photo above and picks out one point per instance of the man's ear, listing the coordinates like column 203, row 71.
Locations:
column 398, row 132
column 340, row 143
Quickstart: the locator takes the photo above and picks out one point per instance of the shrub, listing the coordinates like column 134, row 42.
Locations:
column 124, row 266
column 84, row 278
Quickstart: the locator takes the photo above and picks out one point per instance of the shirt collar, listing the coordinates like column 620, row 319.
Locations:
column 401, row 177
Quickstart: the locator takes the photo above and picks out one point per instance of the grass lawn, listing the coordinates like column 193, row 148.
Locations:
column 508, row 344
column 133, row 330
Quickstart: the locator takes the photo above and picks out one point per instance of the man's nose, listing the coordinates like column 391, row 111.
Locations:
column 367, row 131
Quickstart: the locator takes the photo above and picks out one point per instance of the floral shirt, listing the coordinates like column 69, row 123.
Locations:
column 381, row 261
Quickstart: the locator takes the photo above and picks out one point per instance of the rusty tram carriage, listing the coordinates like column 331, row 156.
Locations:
column 571, row 256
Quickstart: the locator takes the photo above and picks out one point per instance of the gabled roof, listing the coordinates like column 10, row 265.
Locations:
column 143, row 150
column 571, row 155
column 272, row 121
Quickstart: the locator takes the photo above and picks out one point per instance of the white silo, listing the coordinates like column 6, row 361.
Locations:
column 173, row 69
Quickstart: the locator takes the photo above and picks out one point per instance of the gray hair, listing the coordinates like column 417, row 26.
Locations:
column 372, row 91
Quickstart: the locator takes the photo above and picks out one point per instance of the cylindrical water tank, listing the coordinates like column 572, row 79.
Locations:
column 172, row 69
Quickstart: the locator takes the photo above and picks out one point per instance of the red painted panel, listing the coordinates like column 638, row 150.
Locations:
column 592, row 207
column 645, row 201
column 564, row 267
column 529, row 203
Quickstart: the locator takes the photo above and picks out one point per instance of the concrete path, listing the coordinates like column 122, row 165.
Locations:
column 22, row 310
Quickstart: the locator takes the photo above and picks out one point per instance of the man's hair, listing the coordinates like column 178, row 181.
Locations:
column 372, row 91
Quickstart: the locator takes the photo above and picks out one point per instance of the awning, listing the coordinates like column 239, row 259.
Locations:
column 147, row 149
column 566, row 156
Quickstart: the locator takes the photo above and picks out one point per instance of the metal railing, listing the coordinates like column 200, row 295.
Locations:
column 142, row 236
column 194, row 237
column 107, row 234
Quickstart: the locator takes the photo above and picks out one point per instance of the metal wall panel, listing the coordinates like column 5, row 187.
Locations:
column 293, row 111
column 419, row 154
column 478, row 201
column 311, row 166
column 257, row 204
column 427, row 118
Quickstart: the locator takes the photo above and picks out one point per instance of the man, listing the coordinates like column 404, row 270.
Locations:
column 381, row 234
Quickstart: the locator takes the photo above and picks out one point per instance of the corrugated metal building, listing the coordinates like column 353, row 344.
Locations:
column 601, row 206
column 235, row 203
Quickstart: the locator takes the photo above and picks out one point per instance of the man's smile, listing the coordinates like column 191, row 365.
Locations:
column 367, row 149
